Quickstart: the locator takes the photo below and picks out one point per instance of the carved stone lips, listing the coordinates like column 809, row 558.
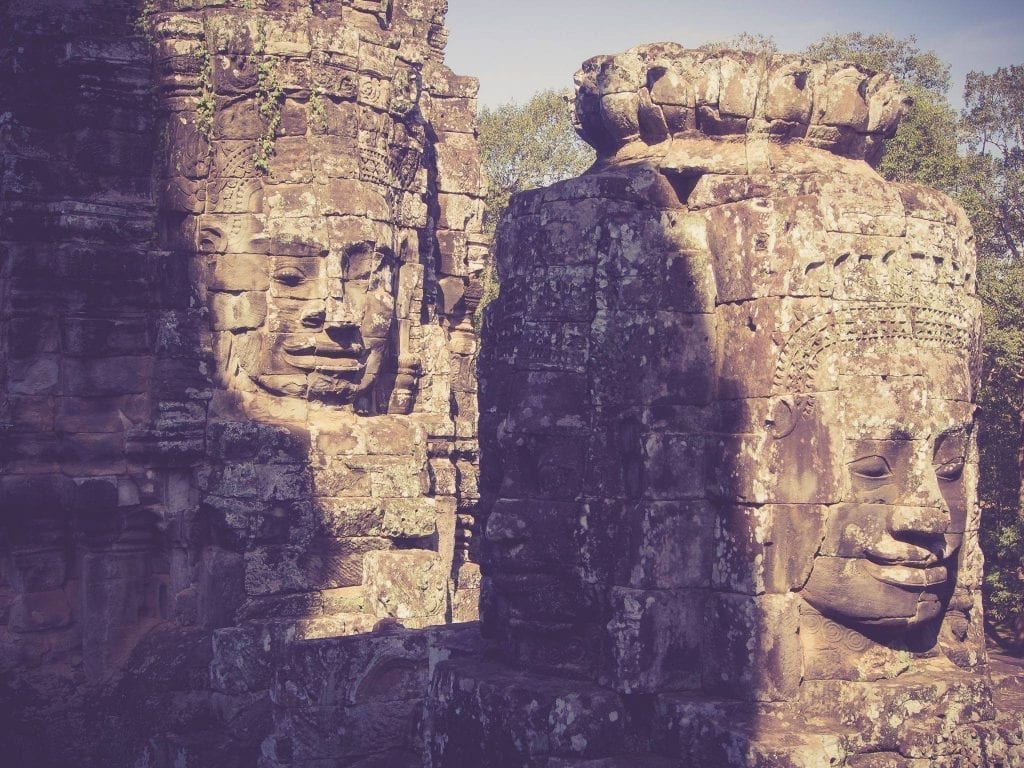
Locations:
column 324, row 356
column 908, row 575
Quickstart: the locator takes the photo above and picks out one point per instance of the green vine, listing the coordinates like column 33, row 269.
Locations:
column 206, row 105
column 269, row 95
column 317, row 114
column 144, row 21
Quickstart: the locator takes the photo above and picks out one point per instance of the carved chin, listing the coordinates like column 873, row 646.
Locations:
column 856, row 591
column 335, row 389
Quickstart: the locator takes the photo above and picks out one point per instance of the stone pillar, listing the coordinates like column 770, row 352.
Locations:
column 240, row 242
column 320, row 180
column 727, row 433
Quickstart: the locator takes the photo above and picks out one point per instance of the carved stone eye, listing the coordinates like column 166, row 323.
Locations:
column 950, row 455
column 871, row 467
column 950, row 470
column 289, row 276
column 212, row 240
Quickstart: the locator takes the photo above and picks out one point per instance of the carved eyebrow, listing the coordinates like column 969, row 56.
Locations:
column 957, row 430
column 296, row 247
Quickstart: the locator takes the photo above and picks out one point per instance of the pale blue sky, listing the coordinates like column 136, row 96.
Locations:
column 517, row 47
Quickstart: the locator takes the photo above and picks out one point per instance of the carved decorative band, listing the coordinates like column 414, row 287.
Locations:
column 927, row 327
column 654, row 92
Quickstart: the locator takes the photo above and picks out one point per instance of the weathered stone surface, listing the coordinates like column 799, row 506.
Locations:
column 489, row 715
column 756, row 403
column 240, row 255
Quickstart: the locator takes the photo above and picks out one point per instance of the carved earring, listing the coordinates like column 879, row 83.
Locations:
column 783, row 418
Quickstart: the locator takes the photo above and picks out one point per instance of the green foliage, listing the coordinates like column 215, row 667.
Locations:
column 993, row 194
column 144, row 21
column 206, row 106
column 924, row 149
column 746, row 42
column 317, row 113
column 269, row 95
column 994, row 122
column 899, row 56
column 527, row 146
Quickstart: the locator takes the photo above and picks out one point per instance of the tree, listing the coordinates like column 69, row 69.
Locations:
column 993, row 193
column 746, row 42
column 527, row 146
column 924, row 149
column 922, row 70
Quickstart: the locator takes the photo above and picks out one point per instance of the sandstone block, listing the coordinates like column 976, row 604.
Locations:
column 406, row 584
column 655, row 640
column 752, row 647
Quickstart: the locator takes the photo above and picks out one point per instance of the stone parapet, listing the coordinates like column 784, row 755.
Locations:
column 654, row 93
column 727, row 439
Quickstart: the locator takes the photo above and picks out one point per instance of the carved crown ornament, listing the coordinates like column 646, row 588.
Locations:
column 924, row 302
column 656, row 92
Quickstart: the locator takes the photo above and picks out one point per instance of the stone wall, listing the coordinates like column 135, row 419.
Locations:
column 728, row 477
column 85, row 302
column 728, row 460
column 241, row 248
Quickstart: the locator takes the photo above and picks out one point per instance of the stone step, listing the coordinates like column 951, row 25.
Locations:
column 618, row 761
column 1007, row 682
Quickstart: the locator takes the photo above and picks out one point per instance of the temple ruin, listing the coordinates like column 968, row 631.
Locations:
column 726, row 512
column 241, row 250
column 728, row 471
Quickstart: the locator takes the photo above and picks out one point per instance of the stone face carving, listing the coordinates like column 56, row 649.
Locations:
column 315, row 166
column 727, row 434
column 240, row 245
column 338, row 304
column 332, row 319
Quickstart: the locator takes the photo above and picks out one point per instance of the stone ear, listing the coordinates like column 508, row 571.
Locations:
column 212, row 239
column 782, row 419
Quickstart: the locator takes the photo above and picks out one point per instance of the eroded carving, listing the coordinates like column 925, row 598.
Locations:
column 733, row 467
column 236, row 412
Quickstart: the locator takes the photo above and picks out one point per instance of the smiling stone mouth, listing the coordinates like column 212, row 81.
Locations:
column 326, row 358
column 908, row 574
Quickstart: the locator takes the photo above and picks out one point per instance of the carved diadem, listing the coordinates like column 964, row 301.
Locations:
column 652, row 93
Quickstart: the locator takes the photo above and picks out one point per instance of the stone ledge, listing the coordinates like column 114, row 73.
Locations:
column 653, row 92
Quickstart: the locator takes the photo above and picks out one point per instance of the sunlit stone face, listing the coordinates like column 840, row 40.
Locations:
column 304, row 307
column 888, row 558
column 329, row 320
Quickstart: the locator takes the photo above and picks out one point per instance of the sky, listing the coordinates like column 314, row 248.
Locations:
column 518, row 47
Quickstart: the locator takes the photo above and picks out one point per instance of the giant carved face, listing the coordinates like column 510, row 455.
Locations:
column 312, row 316
column 900, row 444
column 329, row 320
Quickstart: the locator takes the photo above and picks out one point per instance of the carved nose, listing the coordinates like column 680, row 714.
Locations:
column 918, row 533
column 932, row 520
column 925, row 493
column 314, row 316
column 339, row 313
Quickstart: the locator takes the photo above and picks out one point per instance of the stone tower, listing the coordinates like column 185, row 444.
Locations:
column 239, row 258
column 727, row 433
